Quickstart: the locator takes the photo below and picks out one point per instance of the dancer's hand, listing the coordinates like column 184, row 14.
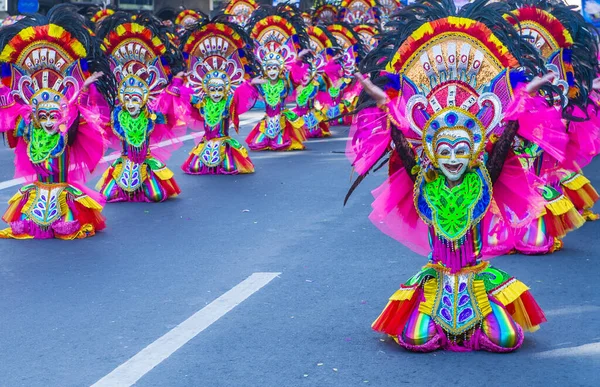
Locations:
column 537, row 82
column 92, row 78
column 596, row 84
column 374, row 91
column 258, row 81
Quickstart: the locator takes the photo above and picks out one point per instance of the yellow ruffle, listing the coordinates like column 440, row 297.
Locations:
column 100, row 182
column 576, row 182
column 164, row 173
column 429, row 292
column 510, row 292
column 87, row 202
column 403, row 294
column 560, row 205
column 8, row 234
column 482, row 297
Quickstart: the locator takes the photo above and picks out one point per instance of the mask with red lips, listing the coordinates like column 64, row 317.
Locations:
column 453, row 152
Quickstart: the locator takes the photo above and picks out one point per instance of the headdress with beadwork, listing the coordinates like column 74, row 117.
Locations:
column 279, row 36
column 550, row 27
column 137, row 59
column 46, row 59
column 217, row 51
column 240, row 11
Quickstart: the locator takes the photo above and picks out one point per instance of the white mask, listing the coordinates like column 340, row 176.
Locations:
column 453, row 152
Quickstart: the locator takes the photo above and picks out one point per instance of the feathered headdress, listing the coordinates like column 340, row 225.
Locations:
column 564, row 40
column 322, row 44
column 188, row 17
column 137, row 55
column 452, row 71
column 352, row 46
column 279, row 35
column 326, row 14
column 368, row 35
column 101, row 15
column 356, row 12
column 240, row 11
column 218, row 52
column 46, row 59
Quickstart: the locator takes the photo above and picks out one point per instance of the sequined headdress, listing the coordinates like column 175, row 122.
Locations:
column 351, row 43
column 368, row 35
column 356, row 12
column 452, row 71
column 550, row 27
column 188, row 17
column 137, row 56
column 46, row 59
column 240, row 11
column 279, row 35
column 325, row 14
column 101, row 15
column 321, row 43
column 217, row 51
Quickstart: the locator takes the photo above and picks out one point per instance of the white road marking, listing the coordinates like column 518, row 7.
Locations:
column 144, row 361
column 572, row 310
column 591, row 349
column 21, row 180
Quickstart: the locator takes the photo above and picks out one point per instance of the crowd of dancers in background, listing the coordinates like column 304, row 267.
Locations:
column 485, row 116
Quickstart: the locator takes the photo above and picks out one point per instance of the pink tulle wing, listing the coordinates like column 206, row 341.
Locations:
column 175, row 104
column 244, row 98
column 11, row 110
column 369, row 139
column 584, row 141
column 395, row 215
column 538, row 122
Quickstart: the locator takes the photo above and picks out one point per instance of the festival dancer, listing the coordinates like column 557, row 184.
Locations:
column 281, row 44
column 141, row 58
column 567, row 192
column 310, row 95
column 454, row 97
column 50, row 113
column 220, row 59
column 344, row 95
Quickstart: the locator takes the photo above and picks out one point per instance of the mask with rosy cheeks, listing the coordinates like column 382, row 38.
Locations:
column 48, row 115
column 216, row 90
column 133, row 101
column 272, row 72
column 453, row 152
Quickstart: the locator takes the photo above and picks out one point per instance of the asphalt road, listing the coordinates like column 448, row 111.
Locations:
column 72, row 312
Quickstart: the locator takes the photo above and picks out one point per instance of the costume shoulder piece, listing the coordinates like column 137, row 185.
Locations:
column 137, row 57
column 240, row 11
column 218, row 54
